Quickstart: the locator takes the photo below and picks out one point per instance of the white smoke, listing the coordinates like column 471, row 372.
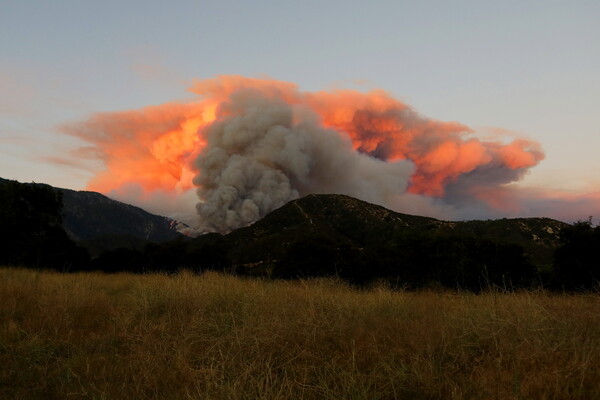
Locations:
column 264, row 152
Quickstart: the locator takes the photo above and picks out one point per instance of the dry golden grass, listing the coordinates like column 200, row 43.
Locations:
column 219, row 337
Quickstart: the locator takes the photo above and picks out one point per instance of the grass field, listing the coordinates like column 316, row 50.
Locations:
column 212, row 336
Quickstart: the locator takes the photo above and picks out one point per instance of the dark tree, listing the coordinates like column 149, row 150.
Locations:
column 576, row 261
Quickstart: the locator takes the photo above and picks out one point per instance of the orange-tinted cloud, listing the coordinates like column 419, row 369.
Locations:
column 153, row 148
column 441, row 151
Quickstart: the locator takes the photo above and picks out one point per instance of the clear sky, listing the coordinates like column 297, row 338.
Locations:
column 531, row 67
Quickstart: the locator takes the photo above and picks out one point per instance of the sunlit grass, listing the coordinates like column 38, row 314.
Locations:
column 219, row 337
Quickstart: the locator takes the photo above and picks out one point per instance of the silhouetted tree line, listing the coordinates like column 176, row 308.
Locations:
column 409, row 260
column 31, row 235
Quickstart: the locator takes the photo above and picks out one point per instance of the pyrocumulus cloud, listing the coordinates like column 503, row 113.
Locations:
column 248, row 146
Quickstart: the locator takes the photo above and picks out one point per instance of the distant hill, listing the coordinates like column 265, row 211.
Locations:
column 88, row 215
column 31, row 234
column 323, row 235
column 345, row 220
column 538, row 236
column 100, row 223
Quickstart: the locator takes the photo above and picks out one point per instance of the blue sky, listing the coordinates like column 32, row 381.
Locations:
column 526, row 66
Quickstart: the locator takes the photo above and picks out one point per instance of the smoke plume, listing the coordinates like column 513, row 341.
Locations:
column 265, row 152
column 249, row 146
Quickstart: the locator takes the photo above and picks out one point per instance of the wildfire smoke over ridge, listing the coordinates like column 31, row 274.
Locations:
column 250, row 145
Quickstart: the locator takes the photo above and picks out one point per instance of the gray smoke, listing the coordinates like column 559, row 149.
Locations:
column 264, row 152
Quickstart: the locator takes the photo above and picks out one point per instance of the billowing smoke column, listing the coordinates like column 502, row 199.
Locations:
column 265, row 152
column 251, row 145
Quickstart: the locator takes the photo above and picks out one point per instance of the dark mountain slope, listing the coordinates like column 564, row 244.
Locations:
column 346, row 221
column 335, row 221
column 31, row 234
column 92, row 219
column 538, row 236
column 323, row 235
column 88, row 215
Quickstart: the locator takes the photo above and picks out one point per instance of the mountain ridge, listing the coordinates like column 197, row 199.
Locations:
column 343, row 221
column 79, row 206
column 100, row 223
